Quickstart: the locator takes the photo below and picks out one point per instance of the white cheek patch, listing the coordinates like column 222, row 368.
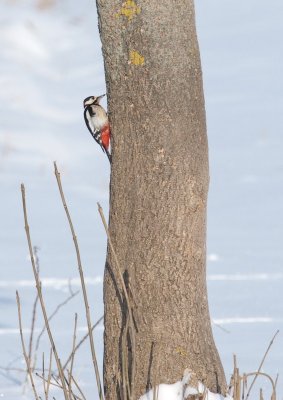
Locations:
column 89, row 102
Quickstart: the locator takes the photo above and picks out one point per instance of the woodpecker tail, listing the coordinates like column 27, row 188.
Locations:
column 103, row 139
column 108, row 155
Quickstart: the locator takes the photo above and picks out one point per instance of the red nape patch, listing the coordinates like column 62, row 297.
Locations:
column 105, row 136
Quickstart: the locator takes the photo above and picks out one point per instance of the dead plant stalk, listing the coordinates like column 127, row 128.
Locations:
column 261, row 364
column 39, row 291
column 89, row 325
column 131, row 318
column 81, row 342
column 24, row 348
column 73, row 355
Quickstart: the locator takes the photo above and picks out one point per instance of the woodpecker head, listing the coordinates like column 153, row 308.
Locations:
column 92, row 100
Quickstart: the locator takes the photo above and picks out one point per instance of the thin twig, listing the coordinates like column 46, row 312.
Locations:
column 125, row 362
column 8, row 369
column 77, row 386
column 131, row 318
column 276, row 380
column 81, row 341
column 155, row 371
column 79, row 389
column 73, row 354
column 51, row 383
column 89, row 325
column 24, row 348
column 43, row 374
column 39, row 291
column 52, row 315
column 35, row 250
column 258, row 373
column 261, row 364
column 221, row 327
column 261, row 394
column 244, row 385
column 49, row 374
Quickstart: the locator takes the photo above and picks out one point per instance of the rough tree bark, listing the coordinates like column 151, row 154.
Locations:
column 159, row 185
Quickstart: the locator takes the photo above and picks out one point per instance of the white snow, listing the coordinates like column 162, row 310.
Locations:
column 245, row 277
column 181, row 390
column 53, row 283
column 173, row 391
column 166, row 392
column 50, row 60
column 246, row 320
column 213, row 257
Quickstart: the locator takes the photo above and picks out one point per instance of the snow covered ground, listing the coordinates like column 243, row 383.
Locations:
column 50, row 61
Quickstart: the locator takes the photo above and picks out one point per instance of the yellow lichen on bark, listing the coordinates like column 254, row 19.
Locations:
column 129, row 10
column 136, row 58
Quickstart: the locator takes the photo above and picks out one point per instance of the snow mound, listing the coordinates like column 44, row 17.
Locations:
column 181, row 391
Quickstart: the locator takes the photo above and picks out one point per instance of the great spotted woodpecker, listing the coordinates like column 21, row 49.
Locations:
column 97, row 122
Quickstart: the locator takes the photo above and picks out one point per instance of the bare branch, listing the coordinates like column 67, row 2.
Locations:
column 39, row 291
column 23, row 346
column 131, row 319
column 79, row 389
column 81, row 342
column 49, row 374
column 89, row 325
column 43, row 374
column 52, row 315
column 258, row 373
column 35, row 250
column 261, row 364
column 73, row 354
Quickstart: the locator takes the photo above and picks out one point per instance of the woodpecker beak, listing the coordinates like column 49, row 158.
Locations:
column 99, row 98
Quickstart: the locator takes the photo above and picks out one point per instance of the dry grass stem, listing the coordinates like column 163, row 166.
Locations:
column 52, row 315
column 73, row 354
column 261, row 364
column 49, row 373
column 81, row 342
column 131, row 319
column 35, row 250
column 15, row 369
column 33, row 318
column 43, row 374
column 57, row 384
column 72, row 395
column 24, row 349
column 221, row 327
column 276, row 380
column 125, row 363
column 260, row 394
column 39, row 291
column 155, row 372
column 78, row 387
column 236, row 381
column 94, row 360
column 258, row 373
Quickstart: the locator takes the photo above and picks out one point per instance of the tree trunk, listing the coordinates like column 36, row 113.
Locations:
column 158, row 192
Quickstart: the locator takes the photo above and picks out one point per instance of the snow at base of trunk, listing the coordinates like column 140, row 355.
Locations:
column 181, row 391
